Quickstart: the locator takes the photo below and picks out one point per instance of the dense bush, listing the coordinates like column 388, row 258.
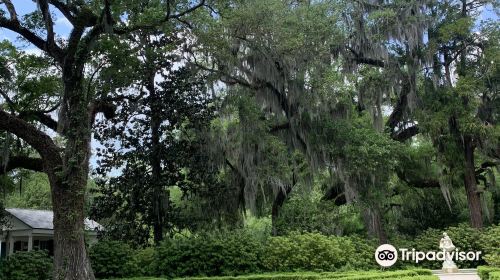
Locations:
column 485, row 271
column 227, row 253
column 34, row 265
column 363, row 256
column 240, row 252
column 112, row 259
column 420, row 274
column 313, row 251
column 495, row 275
column 303, row 252
column 144, row 262
column 490, row 241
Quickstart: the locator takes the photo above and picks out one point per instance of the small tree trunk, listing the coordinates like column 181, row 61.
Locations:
column 374, row 224
column 473, row 196
column 158, row 194
column 277, row 204
column 496, row 204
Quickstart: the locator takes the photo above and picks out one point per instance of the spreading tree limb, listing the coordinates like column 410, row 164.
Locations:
column 15, row 162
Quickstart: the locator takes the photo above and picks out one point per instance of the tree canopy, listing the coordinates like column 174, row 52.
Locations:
column 157, row 118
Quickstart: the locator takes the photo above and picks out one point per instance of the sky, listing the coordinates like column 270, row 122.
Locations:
column 61, row 25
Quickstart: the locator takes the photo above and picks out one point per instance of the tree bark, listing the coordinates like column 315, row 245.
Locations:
column 71, row 261
column 374, row 224
column 158, row 194
column 277, row 204
column 473, row 196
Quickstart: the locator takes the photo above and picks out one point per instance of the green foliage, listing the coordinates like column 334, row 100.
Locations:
column 310, row 213
column 401, row 275
column 484, row 271
column 352, row 275
column 464, row 238
column 490, row 241
column 168, row 131
column 223, row 253
column 313, row 251
column 33, row 191
column 458, row 28
column 33, row 265
column 241, row 252
column 495, row 275
column 143, row 262
column 112, row 259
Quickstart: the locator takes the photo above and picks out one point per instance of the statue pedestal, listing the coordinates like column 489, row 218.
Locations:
column 449, row 266
column 450, row 270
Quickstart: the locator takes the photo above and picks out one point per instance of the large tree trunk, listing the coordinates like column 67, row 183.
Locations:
column 473, row 196
column 71, row 261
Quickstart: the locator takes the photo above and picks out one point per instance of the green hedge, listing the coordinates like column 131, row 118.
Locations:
column 34, row 265
column 242, row 252
column 228, row 253
column 421, row 274
column 491, row 245
column 495, row 275
column 485, row 271
column 313, row 252
column 112, row 259
column 144, row 262
column 420, row 277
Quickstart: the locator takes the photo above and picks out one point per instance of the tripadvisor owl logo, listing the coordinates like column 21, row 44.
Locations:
column 386, row 255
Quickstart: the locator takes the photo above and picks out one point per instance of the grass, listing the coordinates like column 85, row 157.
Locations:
column 415, row 274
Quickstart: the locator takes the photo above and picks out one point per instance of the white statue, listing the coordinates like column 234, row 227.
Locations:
column 447, row 246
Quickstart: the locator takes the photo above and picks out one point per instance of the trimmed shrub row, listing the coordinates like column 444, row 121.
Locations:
column 320, row 276
column 417, row 274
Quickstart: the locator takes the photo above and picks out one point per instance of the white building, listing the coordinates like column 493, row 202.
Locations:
column 28, row 229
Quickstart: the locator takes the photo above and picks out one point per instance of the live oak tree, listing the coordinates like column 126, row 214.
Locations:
column 67, row 165
column 380, row 45
column 298, row 75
